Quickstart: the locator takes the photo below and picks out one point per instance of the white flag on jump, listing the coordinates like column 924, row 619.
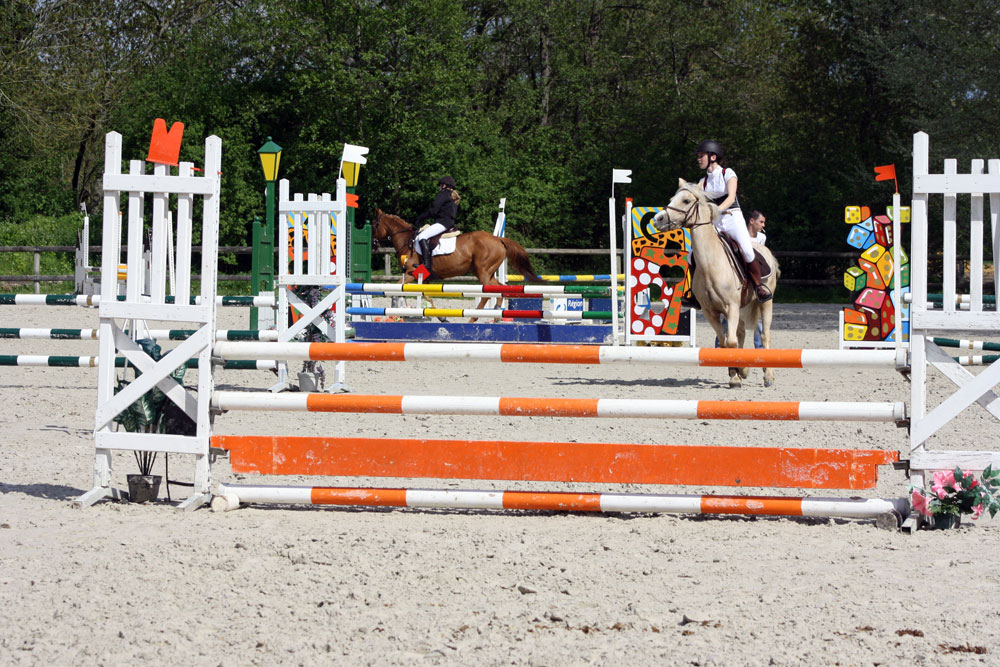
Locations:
column 621, row 175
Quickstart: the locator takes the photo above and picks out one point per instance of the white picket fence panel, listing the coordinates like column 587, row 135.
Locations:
column 146, row 299
column 925, row 323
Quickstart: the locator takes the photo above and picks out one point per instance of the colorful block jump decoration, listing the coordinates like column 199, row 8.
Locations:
column 657, row 276
column 873, row 316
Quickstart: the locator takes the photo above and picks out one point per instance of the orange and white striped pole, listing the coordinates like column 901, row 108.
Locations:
column 564, row 407
column 562, row 354
column 231, row 496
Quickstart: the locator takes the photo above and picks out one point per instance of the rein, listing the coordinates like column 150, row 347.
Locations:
column 409, row 228
column 689, row 215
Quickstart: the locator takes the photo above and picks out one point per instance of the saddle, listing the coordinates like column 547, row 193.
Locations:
column 735, row 257
column 432, row 243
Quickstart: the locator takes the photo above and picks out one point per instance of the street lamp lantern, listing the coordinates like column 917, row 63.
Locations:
column 270, row 156
column 350, row 163
column 262, row 260
column 350, row 172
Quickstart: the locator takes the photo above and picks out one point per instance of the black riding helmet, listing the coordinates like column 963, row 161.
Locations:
column 447, row 181
column 709, row 146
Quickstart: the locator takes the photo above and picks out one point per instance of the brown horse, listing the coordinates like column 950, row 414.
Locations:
column 479, row 253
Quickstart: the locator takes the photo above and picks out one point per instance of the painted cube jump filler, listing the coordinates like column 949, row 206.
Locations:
column 873, row 318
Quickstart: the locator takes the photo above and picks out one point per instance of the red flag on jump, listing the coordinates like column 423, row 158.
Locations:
column 165, row 146
column 887, row 172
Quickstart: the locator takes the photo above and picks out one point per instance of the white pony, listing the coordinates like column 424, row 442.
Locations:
column 717, row 283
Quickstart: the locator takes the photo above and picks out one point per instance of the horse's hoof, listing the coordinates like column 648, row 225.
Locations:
column 735, row 383
column 768, row 383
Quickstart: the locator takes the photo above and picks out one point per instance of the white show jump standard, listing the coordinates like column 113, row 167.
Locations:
column 562, row 354
column 956, row 313
column 190, row 193
column 611, row 408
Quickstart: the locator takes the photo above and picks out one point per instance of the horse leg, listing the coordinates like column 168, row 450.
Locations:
column 740, row 342
column 733, row 341
column 487, row 276
column 714, row 319
column 766, row 311
column 411, row 263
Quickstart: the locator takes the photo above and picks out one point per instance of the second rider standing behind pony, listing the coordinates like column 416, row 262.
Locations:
column 720, row 185
column 442, row 212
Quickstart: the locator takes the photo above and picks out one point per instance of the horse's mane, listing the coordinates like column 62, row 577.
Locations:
column 696, row 190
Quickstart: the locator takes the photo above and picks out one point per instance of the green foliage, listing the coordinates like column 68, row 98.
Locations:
column 530, row 100
column 957, row 493
column 147, row 413
column 34, row 231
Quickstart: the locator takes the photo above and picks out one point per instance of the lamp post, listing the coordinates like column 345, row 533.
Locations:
column 350, row 168
column 262, row 262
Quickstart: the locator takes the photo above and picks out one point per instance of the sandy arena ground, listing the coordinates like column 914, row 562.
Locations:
column 133, row 584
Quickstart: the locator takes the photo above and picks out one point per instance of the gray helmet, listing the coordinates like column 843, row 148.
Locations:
column 448, row 181
column 709, row 146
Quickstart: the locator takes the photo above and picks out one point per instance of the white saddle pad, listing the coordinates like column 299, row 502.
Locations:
column 446, row 246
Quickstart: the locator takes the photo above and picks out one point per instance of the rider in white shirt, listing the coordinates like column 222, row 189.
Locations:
column 720, row 185
column 755, row 225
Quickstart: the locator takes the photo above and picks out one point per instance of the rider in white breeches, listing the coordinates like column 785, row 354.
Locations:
column 442, row 212
column 720, row 185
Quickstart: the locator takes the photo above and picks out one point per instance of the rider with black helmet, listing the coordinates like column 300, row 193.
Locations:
column 720, row 185
column 442, row 212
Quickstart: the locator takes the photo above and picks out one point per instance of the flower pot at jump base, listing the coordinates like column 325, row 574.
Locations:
column 945, row 521
column 143, row 488
column 307, row 382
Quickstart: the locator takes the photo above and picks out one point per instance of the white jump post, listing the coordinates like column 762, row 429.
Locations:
column 313, row 224
column 617, row 176
column 151, row 304
column 500, row 230
column 926, row 323
column 82, row 259
column 326, row 222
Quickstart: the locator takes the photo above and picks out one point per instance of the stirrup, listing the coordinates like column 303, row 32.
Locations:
column 767, row 296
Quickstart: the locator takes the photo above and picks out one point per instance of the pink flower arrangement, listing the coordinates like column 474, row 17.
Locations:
column 955, row 492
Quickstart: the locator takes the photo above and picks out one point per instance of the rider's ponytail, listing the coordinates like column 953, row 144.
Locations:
column 455, row 197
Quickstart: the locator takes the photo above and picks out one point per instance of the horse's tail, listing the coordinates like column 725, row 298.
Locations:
column 518, row 258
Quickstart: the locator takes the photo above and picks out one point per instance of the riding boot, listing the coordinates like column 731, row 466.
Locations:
column 688, row 300
column 425, row 256
column 763, row 293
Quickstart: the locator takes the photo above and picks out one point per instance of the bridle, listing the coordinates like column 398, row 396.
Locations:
column 409, row 228
column 689, row 215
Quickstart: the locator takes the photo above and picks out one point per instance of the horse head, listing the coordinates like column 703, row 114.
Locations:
column 389, row 228
column 688, row 206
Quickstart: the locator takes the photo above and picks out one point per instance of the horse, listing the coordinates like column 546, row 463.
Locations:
column 478, row 252
column 717, row 283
